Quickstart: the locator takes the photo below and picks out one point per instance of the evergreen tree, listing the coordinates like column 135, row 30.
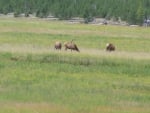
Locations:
column 140, row 14
column 132, row 11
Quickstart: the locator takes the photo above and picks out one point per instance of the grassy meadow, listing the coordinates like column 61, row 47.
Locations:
column 35, row 78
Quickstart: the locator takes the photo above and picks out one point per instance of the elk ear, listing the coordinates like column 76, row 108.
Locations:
column 72, row 40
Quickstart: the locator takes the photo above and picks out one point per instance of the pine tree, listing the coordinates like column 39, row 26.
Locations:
column 132, row 11
column 140, row 15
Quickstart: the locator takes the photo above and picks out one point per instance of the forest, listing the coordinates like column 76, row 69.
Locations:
column 131, row 11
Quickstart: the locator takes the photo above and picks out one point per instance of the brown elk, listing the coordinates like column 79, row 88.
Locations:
column 58, row 45
column 110, row 47
column 71, row 46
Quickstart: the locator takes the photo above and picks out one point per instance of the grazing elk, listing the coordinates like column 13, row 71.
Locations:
column 58, row 45
column 71, row 46
column 110, row 47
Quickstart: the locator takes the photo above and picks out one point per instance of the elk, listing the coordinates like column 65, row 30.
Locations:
column 110, row 47
column 58, row 45
column 71, row 46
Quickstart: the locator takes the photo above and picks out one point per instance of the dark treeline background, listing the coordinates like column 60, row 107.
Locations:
column 132, row 11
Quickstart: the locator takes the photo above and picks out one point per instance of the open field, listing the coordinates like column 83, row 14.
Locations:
column 37, row 79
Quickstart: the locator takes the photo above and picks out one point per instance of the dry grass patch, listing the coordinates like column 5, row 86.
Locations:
column 36, row 49
column 123, row 109
column 33, row 108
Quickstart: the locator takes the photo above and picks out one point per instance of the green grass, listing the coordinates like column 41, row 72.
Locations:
column 34, row 81
column 74, row 83
column 45, row 33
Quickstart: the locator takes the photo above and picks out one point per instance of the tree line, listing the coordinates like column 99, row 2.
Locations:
column 132, row 11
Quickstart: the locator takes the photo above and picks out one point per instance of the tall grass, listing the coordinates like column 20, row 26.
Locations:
column 103, row 64
column 79, row 83
column 34, row 81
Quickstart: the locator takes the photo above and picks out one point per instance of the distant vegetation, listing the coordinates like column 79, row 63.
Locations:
column 132, row 11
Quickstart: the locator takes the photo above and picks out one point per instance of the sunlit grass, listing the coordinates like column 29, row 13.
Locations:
column 77, row 83
column 55, row 27
column 41, row 32
column 37, row 79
